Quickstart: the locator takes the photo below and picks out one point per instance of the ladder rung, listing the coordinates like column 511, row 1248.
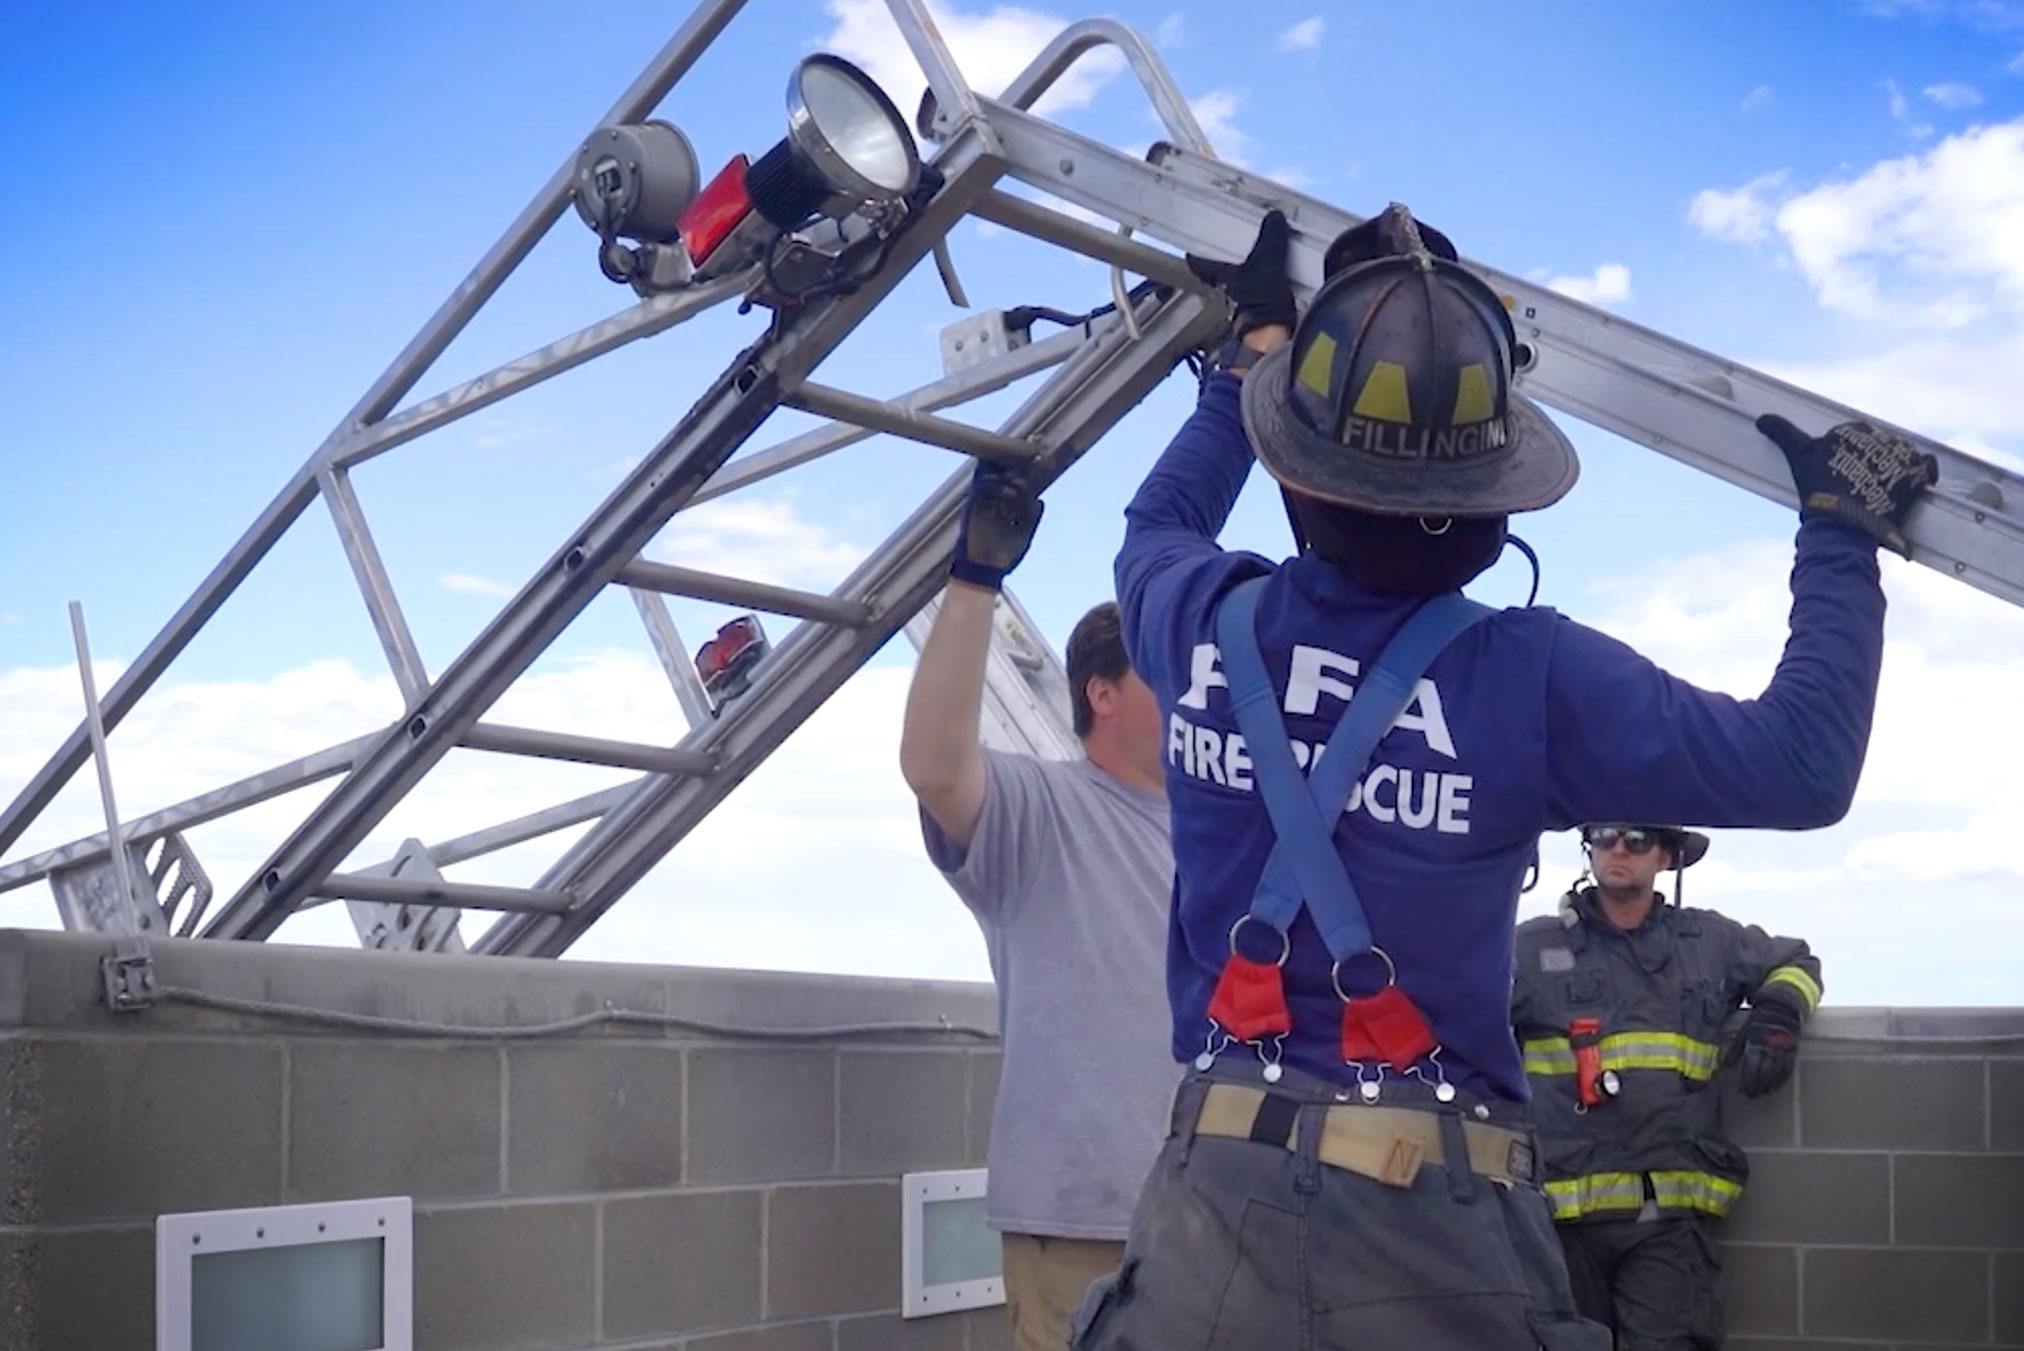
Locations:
column 1030, row 218
column 589, row 750
column 914, row 425
column 464, row 895
column 779, row 600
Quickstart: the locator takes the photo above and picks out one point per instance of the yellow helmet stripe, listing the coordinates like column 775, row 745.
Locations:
column 1384, row 394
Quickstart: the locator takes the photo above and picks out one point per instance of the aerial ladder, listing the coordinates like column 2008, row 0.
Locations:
column 815, row 233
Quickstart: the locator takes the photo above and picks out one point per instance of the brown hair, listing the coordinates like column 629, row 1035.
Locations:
column 1095, row 649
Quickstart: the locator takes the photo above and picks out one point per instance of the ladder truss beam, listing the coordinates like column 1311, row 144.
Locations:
column 974, row 383
column 1104, row 381
column 442, row 328
column 729, row 412
column 643, row 320
column 587, row 750
column 748, row 595
column 270, row 783
column 911, row 424
column 467, row 895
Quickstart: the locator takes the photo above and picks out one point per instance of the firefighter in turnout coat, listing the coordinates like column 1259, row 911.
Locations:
column 1619, row 1002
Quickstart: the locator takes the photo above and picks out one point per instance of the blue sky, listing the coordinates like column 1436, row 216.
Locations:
column 232, row 219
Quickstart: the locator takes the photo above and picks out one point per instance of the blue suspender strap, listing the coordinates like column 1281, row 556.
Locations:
column 1304, row 863
column 1306, row 846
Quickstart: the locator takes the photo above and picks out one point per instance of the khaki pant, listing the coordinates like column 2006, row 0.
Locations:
column 1044, row 1281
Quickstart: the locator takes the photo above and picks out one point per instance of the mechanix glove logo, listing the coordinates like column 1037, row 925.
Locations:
column 1856, row 474
column 1875, row 464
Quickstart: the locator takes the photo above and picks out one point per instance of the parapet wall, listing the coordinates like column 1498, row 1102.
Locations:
column 1886, row 1197
column 650, row 1186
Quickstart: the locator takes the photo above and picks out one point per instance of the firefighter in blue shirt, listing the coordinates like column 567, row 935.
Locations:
column 1619, row 1001
column 1348, row 1163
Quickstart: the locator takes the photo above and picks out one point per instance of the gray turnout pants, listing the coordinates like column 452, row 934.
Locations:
column 1657, row 1282
column 1248, row 1244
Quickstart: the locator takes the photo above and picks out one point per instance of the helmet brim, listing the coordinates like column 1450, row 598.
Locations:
column 1536, row 470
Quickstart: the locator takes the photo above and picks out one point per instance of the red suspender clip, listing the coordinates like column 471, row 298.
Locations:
column 1249, row 1005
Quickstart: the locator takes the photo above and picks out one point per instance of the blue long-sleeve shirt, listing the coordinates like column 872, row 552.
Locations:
column 1528, row 722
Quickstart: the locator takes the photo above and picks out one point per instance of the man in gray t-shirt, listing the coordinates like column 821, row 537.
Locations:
column 1067, row 867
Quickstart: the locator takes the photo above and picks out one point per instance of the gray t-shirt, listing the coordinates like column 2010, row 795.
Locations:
column 1070, row 875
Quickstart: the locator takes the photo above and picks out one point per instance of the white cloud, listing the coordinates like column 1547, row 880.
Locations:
column 1609, row 284
column 1215, row 111
column 760, row 539
column 1900, row 111
column 1303, row 36
column 1172, row 32
column 1935, row 238
column 1954, row 95
column 991, row 47
column 1921, row 258
column 468, row 584
column 1758, row 99
column 10, row 618
column 1962, row 392
column 1741, row 214
column 757, row 884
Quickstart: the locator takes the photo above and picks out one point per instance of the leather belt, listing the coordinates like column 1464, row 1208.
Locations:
column 1387, row 1144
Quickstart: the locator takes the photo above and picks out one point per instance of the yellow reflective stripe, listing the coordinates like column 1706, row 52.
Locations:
column 1595, row 1193
column 1695, row 1191
column 1601, row 1193
column 1798, row 980
column 1683, row 1055
column 1660, row 1051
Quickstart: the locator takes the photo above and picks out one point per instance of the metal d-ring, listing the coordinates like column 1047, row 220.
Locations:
column 1285, row 941
column 1391, row 970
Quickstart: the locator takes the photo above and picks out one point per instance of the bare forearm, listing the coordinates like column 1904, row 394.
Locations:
column 941, row 754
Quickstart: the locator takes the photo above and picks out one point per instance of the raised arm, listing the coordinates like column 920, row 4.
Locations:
column 1626, row 740
column 1170, row 560
column 941, row 753
column 941, row 750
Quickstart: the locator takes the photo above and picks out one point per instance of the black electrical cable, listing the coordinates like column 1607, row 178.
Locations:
column 1533, row 558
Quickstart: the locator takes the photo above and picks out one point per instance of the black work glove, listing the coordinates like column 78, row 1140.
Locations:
column 999, row 519
column 1768, row 1046
column 1855, row 474
column 1258, row 286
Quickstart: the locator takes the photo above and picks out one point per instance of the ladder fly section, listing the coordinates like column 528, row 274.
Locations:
column 818, row 240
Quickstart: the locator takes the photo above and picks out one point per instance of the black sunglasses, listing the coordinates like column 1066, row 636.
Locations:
column 1633, row 840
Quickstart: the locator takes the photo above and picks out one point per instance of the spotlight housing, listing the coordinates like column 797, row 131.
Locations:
column 634, row 180
column 846, row 146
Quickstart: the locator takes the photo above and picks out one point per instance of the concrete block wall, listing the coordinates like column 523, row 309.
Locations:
column 645, row 1188
column 1886, row 1200
column 625, row 1188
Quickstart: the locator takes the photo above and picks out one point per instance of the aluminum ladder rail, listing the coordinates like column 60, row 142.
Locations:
column 1694, row 406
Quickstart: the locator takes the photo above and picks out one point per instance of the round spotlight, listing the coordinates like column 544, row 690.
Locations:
column 845, row 141
column 634, row 181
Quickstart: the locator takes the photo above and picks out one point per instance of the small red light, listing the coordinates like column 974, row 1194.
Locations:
column 716, row 211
